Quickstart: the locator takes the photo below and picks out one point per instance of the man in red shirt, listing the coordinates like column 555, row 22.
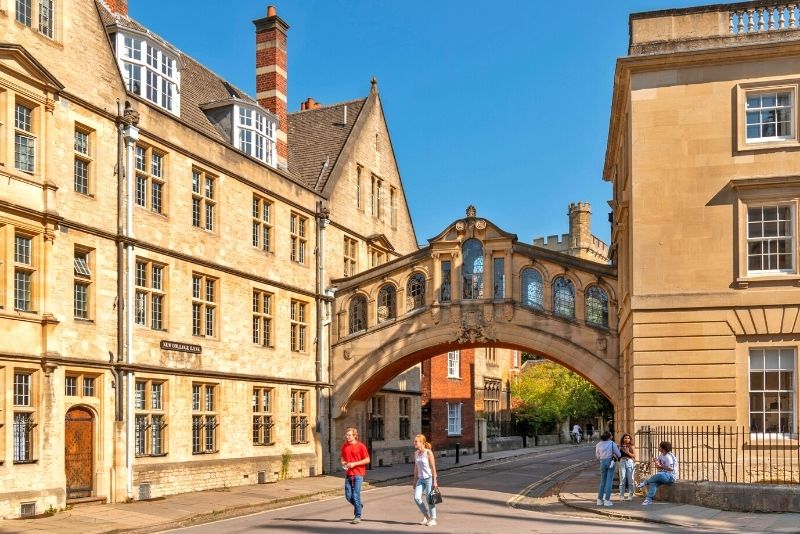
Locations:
column 354, row 459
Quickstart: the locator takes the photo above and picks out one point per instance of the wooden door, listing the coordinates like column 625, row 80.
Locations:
column 79, row 452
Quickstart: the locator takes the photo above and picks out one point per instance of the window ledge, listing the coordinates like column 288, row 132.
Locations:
column 789, row 279
column 204, row 452
column 271, row 444
column 773, row 144
column 25, row 462
column 81, row 320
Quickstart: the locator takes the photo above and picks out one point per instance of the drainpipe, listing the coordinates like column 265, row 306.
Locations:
column 323, row 218
column 131, row 135
column 115, row 360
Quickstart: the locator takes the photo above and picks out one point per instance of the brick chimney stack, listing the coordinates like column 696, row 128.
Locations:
column 271, row 73
column 120, row 7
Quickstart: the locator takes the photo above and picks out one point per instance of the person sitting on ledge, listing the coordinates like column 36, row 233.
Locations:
column 667, row 466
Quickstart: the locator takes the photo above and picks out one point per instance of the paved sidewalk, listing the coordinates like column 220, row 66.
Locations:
column 573, row 493
column 202, row 506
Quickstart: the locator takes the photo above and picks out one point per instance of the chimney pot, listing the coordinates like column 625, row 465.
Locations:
column 271, row 11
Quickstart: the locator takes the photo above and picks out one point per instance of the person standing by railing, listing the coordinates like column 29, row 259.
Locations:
column 626, row 463
column 667, row 466
column 606, row 451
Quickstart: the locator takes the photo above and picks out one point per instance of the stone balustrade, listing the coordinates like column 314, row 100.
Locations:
column 713, row 26
column 760, row 18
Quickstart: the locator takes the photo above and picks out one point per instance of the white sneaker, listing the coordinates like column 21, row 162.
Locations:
column 431, row 522
column 608, row 503
column 424, row 520
column 599, row 502
column 640, row 485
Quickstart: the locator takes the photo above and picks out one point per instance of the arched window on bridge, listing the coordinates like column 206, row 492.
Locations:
column 532, row 289
column 563, row 297
column 358, row 314
column 415, row 292
column 472, row 270
column 387, row 303
column 597, row 306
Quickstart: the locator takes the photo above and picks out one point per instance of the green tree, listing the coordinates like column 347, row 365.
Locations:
column 547, row 393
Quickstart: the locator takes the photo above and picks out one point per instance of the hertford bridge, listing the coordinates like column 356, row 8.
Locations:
column 474, row 285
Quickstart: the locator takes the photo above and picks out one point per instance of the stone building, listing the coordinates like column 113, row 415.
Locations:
column 579, row 241
column 167, row 246
column 702, row 157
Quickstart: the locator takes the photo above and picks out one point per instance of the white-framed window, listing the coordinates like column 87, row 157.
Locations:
column 454, row 364
column 254, row 133
column 43, row 11
column 151, row 421
column 203, row 203
column 80, row 385
column 771, row 238
column 350, row 256
column 298, row 325
column 262, row 416
column 299, row 416
column 454, row 418
column 769, row 116
column 83, row 160
column 297, row 230
column 24, row 272
column 82, row 284
column 204, row 418
column 204, row 307
column 151, row 297
column 150, row 178
column 24, row 396
column 262, row 318
column 772, row 385
column 149, row 70
column 24, row 138
column 262, row 223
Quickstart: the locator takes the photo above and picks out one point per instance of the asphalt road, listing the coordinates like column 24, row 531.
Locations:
column 485, row 498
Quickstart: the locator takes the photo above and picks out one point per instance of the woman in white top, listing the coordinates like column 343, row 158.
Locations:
column 667, row 466
column 424, row 479
column 606, row 451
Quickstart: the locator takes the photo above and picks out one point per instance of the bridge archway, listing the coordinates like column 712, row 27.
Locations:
column 474, row 285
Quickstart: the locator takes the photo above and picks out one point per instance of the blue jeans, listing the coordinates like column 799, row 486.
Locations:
column 606, row 480
column 626, row 476
column 662, row 477
column 424, row 486
column 352, row 492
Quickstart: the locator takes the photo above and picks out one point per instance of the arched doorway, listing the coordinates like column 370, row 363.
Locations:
column 79, row 452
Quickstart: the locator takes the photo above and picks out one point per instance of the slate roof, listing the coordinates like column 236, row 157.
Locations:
column 316, row 138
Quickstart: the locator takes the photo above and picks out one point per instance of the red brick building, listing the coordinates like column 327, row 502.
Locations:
column 448, row 399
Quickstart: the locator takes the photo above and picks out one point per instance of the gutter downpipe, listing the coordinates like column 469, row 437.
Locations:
column 131, row 134
column 117, row 359
column 323, row 218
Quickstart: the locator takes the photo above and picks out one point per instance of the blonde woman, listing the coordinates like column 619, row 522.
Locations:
column 424, row 479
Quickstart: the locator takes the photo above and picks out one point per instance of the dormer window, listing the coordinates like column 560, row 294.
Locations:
column 149, row 70
column 255, row 134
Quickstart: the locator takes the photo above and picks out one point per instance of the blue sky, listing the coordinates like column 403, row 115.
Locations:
column 501, row 104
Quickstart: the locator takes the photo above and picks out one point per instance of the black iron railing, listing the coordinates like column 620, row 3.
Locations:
column 726, row 454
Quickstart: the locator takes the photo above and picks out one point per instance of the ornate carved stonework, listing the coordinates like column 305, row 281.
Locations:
column 474, row 328
column 480, row 224
column 348, row 355
column 460, row 226
column 602, row 343
column 471, row 211
column 508, row 311
column 129, row 117
column 49, row 105
column 436, row 314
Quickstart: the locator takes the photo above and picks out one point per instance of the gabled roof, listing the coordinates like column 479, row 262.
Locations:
column 381, row 241
column 316, row 138
column 31, row 65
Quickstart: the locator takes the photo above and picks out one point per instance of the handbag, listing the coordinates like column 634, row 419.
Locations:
column 435, row 496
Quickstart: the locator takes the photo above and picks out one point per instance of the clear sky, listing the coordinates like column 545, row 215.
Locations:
column 501, row 104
